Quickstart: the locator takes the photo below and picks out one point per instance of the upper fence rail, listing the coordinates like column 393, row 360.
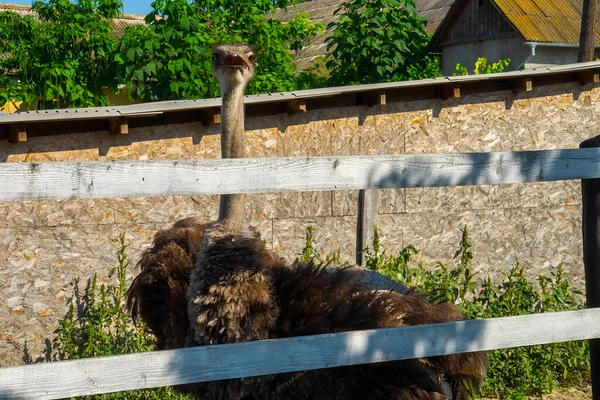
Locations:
column 117, row 179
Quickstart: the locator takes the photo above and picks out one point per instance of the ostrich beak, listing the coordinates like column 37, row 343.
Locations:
column 234, row 61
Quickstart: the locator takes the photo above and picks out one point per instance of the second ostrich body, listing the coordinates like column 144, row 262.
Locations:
column 212, row 283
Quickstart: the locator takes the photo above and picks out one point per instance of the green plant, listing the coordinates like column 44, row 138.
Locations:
column 310, row 253
column 379, row 41
column 62, row 57
column 97, row 324
column 482, row 67
column 171, row 58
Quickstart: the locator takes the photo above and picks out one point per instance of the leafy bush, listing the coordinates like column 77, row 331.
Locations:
column 379, row 41
column 482, row 67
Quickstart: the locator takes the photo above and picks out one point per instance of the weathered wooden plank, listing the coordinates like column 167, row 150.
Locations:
column 199, row 364
column 72, row 180
column 368, row 213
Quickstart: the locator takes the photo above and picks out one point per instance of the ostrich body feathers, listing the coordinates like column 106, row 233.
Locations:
column 199, row 288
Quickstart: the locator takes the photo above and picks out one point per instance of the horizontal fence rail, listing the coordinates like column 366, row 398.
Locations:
column 115, row 179
column 208, row 363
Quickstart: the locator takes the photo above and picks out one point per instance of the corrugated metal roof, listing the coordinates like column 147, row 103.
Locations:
column 553, row 21
column 160, row 107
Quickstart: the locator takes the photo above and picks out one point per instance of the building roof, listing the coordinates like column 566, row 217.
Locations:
column 548, row 21
column 553, row 21
column 119, row 24
column 322, row 11
column 302, row 100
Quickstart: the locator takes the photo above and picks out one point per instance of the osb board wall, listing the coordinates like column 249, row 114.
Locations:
column 45, row 245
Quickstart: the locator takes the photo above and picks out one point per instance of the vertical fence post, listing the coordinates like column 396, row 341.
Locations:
column 368, row 207
column 590, row 191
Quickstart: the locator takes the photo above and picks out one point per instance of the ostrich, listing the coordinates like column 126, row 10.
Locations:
column 205, row 283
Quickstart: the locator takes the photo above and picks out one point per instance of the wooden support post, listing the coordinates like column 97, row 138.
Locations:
column 588, row 31
column 590, row 190
column 375, row 98
column 16, row 133
column 523, row 85
column 586, row 77
column 209, row 116
column 295, row 106
column 119, row 126
column 368, row 212
column 450, row 92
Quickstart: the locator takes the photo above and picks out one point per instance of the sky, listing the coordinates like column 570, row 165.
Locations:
column 131, row 6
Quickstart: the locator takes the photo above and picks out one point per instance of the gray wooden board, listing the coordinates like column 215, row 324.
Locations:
column 113, row 179
column 198, row 364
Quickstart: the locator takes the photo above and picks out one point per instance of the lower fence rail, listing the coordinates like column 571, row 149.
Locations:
column 207, row 363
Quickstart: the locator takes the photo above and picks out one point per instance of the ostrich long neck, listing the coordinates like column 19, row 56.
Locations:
column 233, row 145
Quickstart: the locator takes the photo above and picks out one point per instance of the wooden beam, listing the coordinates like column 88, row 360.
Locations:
column 16, row 133
column 450, row 92
column 89, row 376
column 368, row 213
column 118, row 179
column 523, row 85
column 586, row 77
column 119, row 126
column 295, row 106
column 372, row 98
column 590, row 189
column 209, row 116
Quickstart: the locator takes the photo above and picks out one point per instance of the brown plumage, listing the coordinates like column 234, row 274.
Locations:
column 207, row 283
column 240, row 291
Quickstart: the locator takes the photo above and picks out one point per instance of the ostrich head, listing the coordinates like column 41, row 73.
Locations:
column 233, row 64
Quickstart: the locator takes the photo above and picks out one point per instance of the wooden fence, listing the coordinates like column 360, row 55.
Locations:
column 57, row 181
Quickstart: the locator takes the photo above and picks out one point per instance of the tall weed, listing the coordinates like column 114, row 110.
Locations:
column 97, row 324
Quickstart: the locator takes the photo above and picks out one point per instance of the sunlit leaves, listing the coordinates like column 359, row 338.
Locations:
column 379, row 41
column 62, row 58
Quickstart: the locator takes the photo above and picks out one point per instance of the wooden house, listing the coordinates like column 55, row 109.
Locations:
column 532, row 33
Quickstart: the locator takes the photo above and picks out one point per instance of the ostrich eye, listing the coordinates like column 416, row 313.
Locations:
column 251, row 56
column 216, row 57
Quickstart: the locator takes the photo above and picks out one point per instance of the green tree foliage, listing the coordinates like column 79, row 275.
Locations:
column 482, row 67
column 379, row 41
column 68, row 53
column 62, row 57
column 171, row 58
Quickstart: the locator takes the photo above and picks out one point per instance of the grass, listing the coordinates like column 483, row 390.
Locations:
column 97, row 323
